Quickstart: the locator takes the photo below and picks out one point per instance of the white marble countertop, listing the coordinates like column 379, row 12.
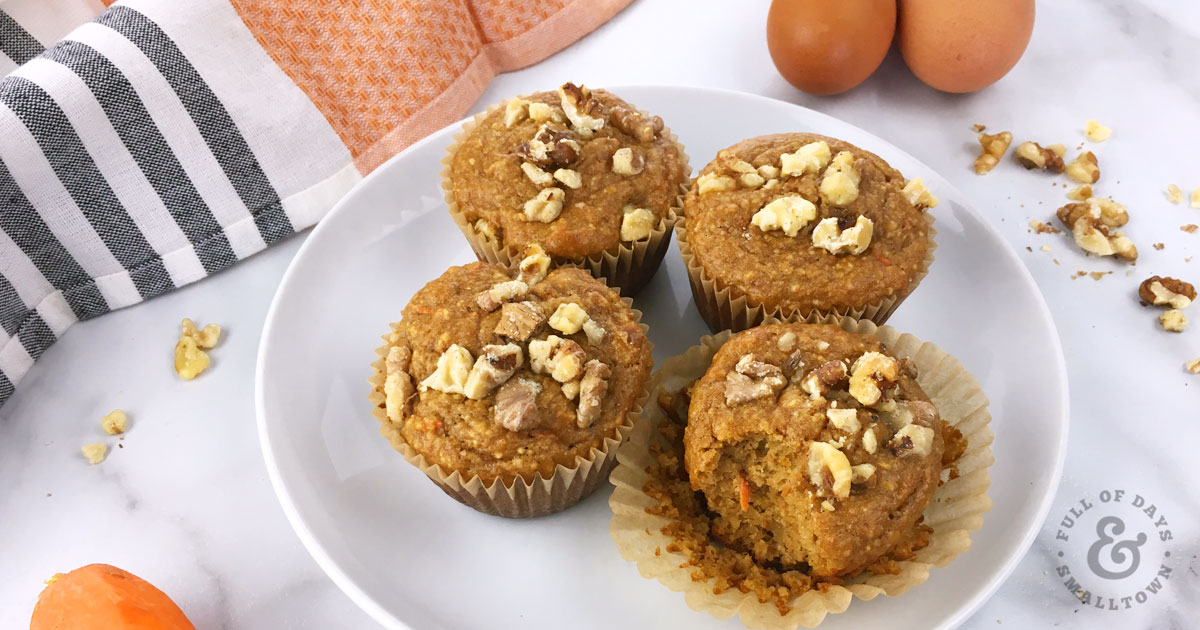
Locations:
column 186, row 498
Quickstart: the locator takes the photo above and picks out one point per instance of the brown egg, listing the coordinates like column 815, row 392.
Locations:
column 960, row 46
column 827, row 47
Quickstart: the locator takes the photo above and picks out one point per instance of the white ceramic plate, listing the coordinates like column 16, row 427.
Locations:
column 414, row 558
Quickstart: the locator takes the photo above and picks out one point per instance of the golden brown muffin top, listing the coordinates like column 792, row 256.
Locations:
column 593, row 159
column 793, row 185
column 817, row 428
column 503, row 375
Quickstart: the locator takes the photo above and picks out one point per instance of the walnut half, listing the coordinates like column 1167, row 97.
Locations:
column 1172, row 292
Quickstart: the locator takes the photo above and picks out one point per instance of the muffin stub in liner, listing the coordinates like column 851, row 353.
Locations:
column 628, row 265
column 956, row 510
column 520, row 499
column 727, row 308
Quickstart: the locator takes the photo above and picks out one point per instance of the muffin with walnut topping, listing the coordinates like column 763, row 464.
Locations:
column 582, row 173
column 794, row 226
column 512, row 389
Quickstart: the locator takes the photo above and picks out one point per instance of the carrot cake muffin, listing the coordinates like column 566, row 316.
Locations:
column 794, row 224
column 579, row 172
column 814, row 447
column 512, row 375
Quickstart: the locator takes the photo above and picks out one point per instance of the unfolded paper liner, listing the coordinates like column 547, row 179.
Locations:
column 956, row 510
column 628, row 266
column 519, row 499
column 727, row 308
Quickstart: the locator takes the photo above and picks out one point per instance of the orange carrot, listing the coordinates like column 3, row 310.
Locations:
column 102, row 596
column 743, row 492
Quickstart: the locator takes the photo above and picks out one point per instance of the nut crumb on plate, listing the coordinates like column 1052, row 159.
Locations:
column 114, row 423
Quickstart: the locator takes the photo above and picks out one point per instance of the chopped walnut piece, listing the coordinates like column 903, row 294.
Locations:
column 571, row 389
column 628, row 161
column 1043, row 228
column 824, row 377
column 1173, row 320
column 844, row 419
column 114, row 422
column 1174, row 194
column 591, row 392
column 1082, row 192
column 978, row 127
column 94, row 453
column 569, row 178
column 852, row 240
column 636, row 224
column 595, row 332
column 487, row 230
column 992, row 148
column 206, row 338
column 519, row 320
column 872, row 376
column 190, row 360
column 581, row 109
column 495, row 365
column 1095, row 131
column 714, row 182
column 1161, row 291
column 536, row 175
column 829, row 470
column 870, row 442
column 492, row 298
column 1106, row 211
column 636, row 124
column 568, row 318
column 562, row 359
column 450, row 375
column 918, row 195
column 534, row 266
column 541, row 112
column 551, row 147
column 515, row 111
column 810, row 158
column 786, row 341
column 839, row 183
column 787, row 214
column 1193, row 366
column 1032, row 155
column 793, row 365
column 398, row 387
column 751, row 379
column 1195, row 199
column 1189, row 228
column 546, row 206
column 1092, row 224
column 862, row 473
column 1085, row 169
column 516, row 404
column 912, row 439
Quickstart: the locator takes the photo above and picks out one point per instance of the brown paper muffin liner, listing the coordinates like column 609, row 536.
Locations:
column 628, row 266
column 520, row 499
column 727, row 308
column 956, row 510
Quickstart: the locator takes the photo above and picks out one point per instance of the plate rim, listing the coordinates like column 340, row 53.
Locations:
column 376, row 610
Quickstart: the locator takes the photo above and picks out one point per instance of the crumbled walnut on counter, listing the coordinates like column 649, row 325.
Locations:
column 829, row 470
column 1095, row 131
column 1085, row 169
column 1173, row 320
column 1189, row 228
column 1082, row 192
column 190, row 360
column 992, row 148
column 1032, row 155
column 592, row 388
column 516, row 404
column 1162, row 291
column 94, row 453
column 1043, row 228
column 1195, row 200
column 1092, row 225
column 1174, row 194
column 114, row 422
column 787, row 214
column 1193, row 366
column 206, row 338
column 751, row 379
